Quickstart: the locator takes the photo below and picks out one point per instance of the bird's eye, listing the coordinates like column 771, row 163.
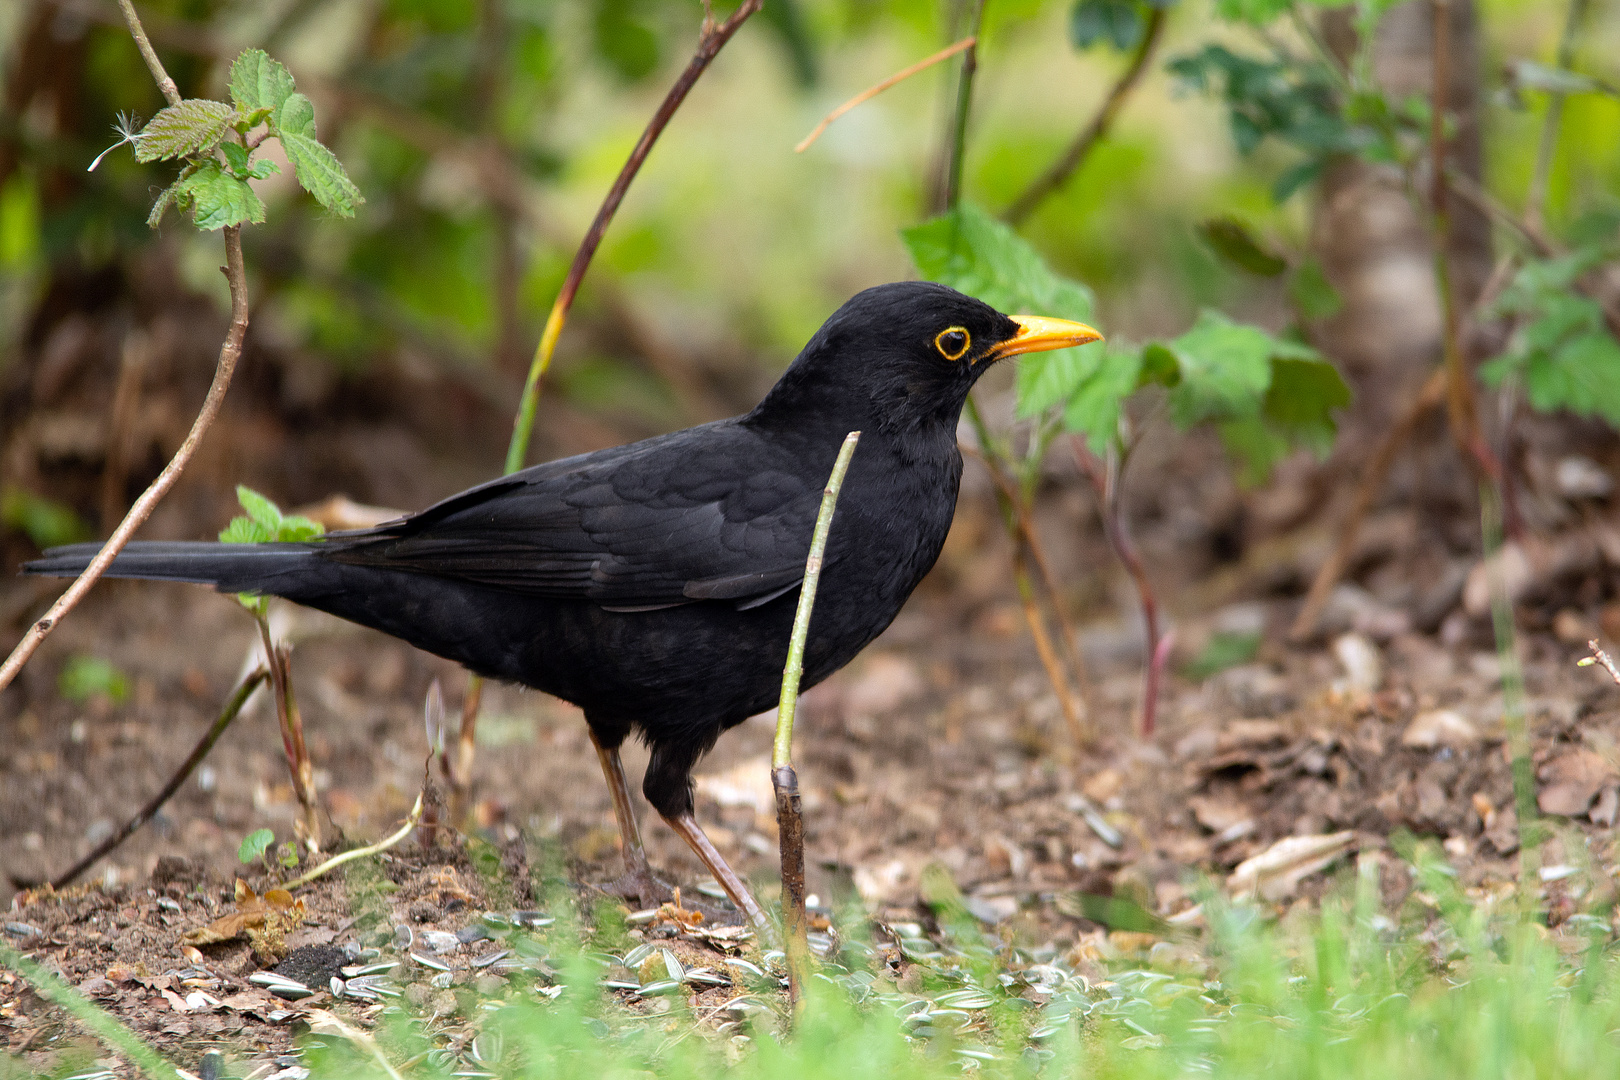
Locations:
column 952, row 343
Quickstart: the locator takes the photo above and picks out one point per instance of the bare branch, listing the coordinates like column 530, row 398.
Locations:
column 877, row 88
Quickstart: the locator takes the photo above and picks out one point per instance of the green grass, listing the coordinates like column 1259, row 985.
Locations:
column 1454, row 983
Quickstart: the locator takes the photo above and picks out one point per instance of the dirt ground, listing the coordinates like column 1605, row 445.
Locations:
column 943, row 745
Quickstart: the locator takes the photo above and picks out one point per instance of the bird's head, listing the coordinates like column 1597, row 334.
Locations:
column 913, row 349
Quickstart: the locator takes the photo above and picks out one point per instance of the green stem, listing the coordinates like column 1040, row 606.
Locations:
column 782, row 749
column 1513, row 715
column 101, row 1024
column 964, row 105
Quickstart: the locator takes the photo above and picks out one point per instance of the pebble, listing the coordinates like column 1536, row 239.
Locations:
column 439, row 941
column 1440, row 727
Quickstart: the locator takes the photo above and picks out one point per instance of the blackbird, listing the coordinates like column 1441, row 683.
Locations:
column 654, row 584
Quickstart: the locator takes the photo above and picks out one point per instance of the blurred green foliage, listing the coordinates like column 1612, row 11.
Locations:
column 84, row 677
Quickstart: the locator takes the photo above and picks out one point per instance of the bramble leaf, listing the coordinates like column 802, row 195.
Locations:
column 194, row 126
column 1300, row 401
column 1312, row 293
column 1231, row 240
column 1119, row 22
column 321, row 174
column 258, row 82
column 974, row 253
column 216, row 198
column 243, row 530
column 1094, row 405
column 236, row 156
column 260, row 509
column 295, row 116
column 1224, row 368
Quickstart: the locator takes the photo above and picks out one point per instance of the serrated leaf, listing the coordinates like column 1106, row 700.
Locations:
column 192, row 127
column 1232, row 241
column 258, row 82
column 1583, row 377
column 296, row 527
column 1094, row 405
column 1046, row 379
column 1300, row 401
column 1312, row 293
column 216, row 198
column 1118, row 22
column 259, row 508
column 1225, row 370
column 236, row 156
column 165, row 200
column 243, row 530
column 295, row 116
column 974, row 253
column 1254, row 447
column 322, row 174
column 262, row 168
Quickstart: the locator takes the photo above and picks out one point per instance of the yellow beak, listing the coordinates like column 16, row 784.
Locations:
column 1037, row 333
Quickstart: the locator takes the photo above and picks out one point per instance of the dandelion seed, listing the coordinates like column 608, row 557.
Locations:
column 128, row 129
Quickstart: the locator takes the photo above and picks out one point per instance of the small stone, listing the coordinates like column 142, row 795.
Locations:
column 1440, row 727
column 489, row 985
column 1582, row 478
column 418, row 994
column 991, row 909
column 1362, row 662
column 424, row 911
column 438, row 940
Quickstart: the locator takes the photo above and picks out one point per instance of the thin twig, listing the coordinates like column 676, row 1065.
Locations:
column 784, row 779
column 1105, row 478
column 171, row 92
column 1513, row 718
column 233, row 706
column 1096, row 128
column 279, row 659
column 964, row 105
column 359, row 853
column 873, row 91
column 1372, row 481
column 230, row 351
column 1599, row 656
column 715, row 36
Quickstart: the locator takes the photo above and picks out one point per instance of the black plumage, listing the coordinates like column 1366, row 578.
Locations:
column 654, row 584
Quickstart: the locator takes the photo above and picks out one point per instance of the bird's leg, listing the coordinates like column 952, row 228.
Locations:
column 686, row 826
column 638, row 882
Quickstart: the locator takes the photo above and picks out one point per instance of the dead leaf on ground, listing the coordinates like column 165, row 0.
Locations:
column 252, row 912
column 1218, row 814
column 1276, row 872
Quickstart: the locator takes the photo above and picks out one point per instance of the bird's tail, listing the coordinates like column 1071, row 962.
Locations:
column 231, row 568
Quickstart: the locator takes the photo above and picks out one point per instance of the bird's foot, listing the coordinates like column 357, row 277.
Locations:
column 641, row 886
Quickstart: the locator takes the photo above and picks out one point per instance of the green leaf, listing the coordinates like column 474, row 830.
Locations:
column 260, row 509
column 1119, row 22
column 236, row 156
column 255, row 844
column 85, row 677
column 1300, row 401
column 1045, row 379
column 1231, row 240
column 295, row 116
column 1094, row 405
column 216, row 198
column 1583, row 376
column 45, row 522
column 1255, row 447
column 243, row 530
column 974, row 253
column 262, row 168
column 194, row 126
column 1224, row 649
column 318, row 170
column 1313, row 294
column 1225, row 369
column 258, row 82
column 1253, row 12
column 321, row 174
column 295, row 528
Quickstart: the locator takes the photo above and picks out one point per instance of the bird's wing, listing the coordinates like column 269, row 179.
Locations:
column 705, row 514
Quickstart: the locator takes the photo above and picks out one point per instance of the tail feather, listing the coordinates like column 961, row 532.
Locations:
column 227, row 567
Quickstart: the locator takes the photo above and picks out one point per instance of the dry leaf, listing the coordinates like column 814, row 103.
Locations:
column 1440, row 727
column 1276, row 872
column 252, row 913
column 1572, row 781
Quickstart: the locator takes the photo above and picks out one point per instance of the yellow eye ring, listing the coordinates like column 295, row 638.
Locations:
column 952, row 342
